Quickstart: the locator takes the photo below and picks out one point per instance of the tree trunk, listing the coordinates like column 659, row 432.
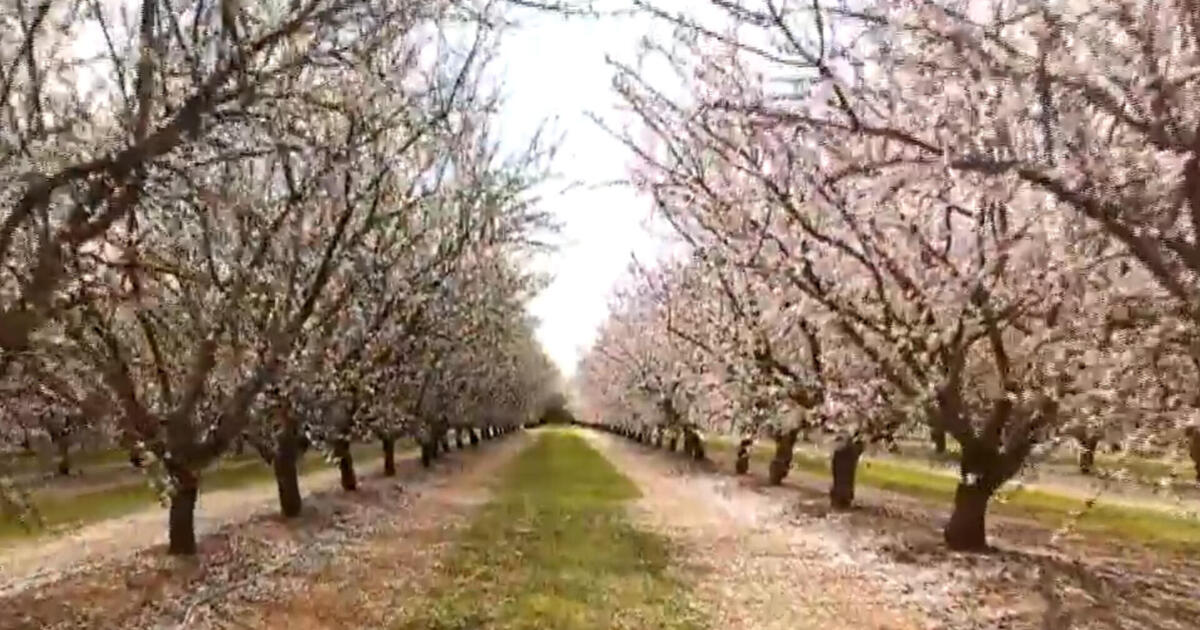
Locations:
column 693, row 445
column 742, row 466
column 181, row 518
column 445, row 443
column 287, row 480
column 341, row 450
column 473, row 436
column 64, row 456
column 1194, row 449
column 458, row 440
column 1087, row 454
column 672, row 442
column 389, row 457
column 939, row 441
column 428, row 453
column 844, row 465
column 966, row 530
column 781, row 463
column 266, row 453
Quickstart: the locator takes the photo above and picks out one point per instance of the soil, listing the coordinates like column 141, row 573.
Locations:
column 779, row 557
column 346, row 562
column 756, row 556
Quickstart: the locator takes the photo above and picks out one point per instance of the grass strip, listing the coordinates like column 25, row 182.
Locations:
column 555, row 549
column 1154, row 527
column 61, row 513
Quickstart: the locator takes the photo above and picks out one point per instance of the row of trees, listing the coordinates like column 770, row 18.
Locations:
column 975, row 217
column 284, row 222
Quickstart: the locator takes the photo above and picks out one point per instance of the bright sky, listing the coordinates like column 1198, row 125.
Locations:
column 554, row 70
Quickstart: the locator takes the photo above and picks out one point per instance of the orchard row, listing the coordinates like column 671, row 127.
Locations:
column 970, row 219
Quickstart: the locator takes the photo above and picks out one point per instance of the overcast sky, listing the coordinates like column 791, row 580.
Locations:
column 554, row 69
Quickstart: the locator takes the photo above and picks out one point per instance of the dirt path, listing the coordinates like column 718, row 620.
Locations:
column 759, row 570
column 891, row 551
column 331, row 568
column 371, row 582
column 26, row 565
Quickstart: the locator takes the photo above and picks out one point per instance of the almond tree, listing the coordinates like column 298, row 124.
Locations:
column 652, row 348
column 1084, row 103
column 254, row 236
column 54, row 396
column 85, row 131
column 963, row 294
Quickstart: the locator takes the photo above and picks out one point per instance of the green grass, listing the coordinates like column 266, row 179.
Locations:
column 60, row 512
column 554, row 549
column 1147, row 526
column 1139, row 468
column 26, row 463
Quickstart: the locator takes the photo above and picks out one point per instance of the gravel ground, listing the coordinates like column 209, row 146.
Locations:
column 259, row 571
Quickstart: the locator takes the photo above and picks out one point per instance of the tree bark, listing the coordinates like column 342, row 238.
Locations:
column 939, row 441
column 844, row 465
column 64, row 456
column 673, row 443
column 742, row 466
column 389, row 456
column 966, row 530
column 428, row 453
column 1194, row 449
column 265, row 452
column 287, row 480
column 341, row 450
column 444, row 441
column 181, row 518
column 474, row 437
column 781, row 463
column 1087, row 454
column 693, row 445
column 458, row 438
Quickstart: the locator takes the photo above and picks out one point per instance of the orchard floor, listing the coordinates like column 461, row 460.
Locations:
column 570, row 530
column 887, row 554
column 337, row 566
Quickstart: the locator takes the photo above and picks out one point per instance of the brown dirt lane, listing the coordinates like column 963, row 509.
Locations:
column 778, row 557
column 28, row 564
column 756, row 569
column 371, row 581
column 348, row 562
